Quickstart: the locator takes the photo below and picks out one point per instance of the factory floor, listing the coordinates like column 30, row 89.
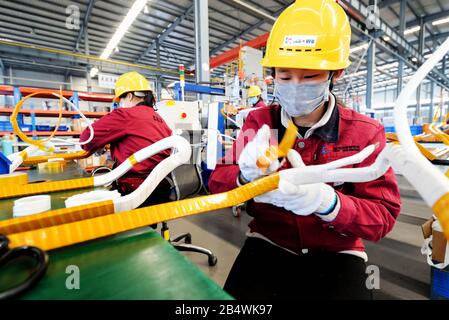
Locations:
column 404, row 272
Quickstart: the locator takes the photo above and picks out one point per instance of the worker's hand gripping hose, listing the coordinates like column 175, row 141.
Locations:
column 63, row 227
column 55, row 236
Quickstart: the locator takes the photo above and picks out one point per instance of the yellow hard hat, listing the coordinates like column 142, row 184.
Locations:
column 130, row 82
column 254, row 91
column 310, row 34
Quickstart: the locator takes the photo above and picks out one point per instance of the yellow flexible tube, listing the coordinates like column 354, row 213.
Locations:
column 62, row 235
column 441, row 210
column 38, row 143
column 66, row 156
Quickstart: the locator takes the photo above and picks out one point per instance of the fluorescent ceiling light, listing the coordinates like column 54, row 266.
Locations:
column 387, row 38
column 441, row 21
column 412, row 30
column 358, row 48
column 123, row 27
column 93, row 72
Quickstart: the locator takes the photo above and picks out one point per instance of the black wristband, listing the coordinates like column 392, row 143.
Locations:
column 242, row 179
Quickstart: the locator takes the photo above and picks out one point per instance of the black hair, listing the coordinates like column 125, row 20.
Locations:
column 331, row 77
column 148, row 98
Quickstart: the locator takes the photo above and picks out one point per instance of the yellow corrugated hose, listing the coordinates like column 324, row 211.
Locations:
column 62, row 235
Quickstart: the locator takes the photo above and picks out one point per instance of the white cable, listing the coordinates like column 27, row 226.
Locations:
column 89, row 125
column 17, row 158
column 181, row 155
column 426, row 178
column 91, row 197
column 141, row 155
column 330, row 172
column 221, row 134
column 31, row 205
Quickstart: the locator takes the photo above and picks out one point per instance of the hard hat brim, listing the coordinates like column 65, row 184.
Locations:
column 311, row 63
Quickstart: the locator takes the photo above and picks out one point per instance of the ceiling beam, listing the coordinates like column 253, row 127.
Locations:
column 231, row 54
column 85, row 23
column 429, row 18
column 171, row 27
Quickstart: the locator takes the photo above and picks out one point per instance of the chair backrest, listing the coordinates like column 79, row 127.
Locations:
column 186, row 180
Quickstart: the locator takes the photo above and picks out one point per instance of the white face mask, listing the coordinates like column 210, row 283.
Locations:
column 252, row 101
column 301, row 99
column 124, row 102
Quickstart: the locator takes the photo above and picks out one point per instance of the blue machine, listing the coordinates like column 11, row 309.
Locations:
column 4, row 164
column 189, row 87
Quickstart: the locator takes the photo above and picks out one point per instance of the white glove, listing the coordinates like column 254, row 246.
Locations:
column 304, row 200
column 252, row 151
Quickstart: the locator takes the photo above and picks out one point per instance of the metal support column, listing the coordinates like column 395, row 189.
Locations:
column 443, row 70
column 2, row 81
column 11, row 81
column 370, row 58
column 87, row 52
column 158, row 78
column 432, row 93
column 202, row 42
column 422, row 37
column 402, row 24
column 88, row 78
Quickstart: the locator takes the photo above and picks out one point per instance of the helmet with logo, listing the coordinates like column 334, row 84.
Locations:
column 310, row 34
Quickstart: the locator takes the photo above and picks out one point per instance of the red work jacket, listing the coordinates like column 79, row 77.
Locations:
column 128, row 130
column 368, row 210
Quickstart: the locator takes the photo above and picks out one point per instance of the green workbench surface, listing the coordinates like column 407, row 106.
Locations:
column 72, row 171
column 138, row 264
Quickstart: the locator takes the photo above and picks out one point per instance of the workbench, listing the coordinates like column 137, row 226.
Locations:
column 138, row 264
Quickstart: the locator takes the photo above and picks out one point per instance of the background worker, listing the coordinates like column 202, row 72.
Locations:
column 306, row 242
column 255, row 99
column 130, row 128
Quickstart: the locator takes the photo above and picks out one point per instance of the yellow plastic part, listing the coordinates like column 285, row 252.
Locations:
column 310, row 34
column 84, row 230
column 441, row 210
column 56, row 217
column 281, row 151
column 50, row 236
column 10, row 191
column 38, row 143
column 132, row 159
column 15, row 179
column 130, row 82
column 394, row 139
column 52, row 167
column 66, row 156
column 254, row 91
column 429, row 155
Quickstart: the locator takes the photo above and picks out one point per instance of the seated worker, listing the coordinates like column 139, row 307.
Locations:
column 130, row 128
column 255, row 99
column 309, row 244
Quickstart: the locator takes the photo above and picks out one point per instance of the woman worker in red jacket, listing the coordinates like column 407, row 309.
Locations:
column 255, row 99
column 308, row 244
column 130, row 128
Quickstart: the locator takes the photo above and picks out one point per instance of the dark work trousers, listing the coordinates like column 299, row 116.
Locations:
column 160, row 195
column 265, row 271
